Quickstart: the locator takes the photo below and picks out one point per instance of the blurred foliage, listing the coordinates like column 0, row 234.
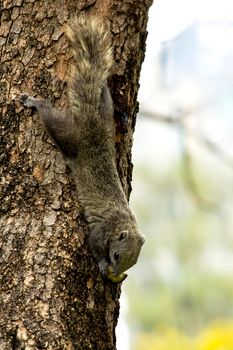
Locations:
column 188, row 305
column 182, row 194
column 184, row 278
column 218, row 336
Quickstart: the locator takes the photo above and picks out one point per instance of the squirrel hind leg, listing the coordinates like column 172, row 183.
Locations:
column 29, row 101
column 60, row 127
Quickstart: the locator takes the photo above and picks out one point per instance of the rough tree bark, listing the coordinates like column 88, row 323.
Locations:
column 52, row 295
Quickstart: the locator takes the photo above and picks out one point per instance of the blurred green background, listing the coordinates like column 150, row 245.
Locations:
column 180, row 294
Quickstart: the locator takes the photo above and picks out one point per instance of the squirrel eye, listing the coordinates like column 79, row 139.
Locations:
column 116, row 256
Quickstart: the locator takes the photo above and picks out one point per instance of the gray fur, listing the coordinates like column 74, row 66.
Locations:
column 86, row 138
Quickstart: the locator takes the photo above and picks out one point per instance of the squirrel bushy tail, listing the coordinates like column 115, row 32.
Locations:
column 92, row 61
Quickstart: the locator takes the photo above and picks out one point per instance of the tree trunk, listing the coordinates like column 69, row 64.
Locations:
column 52, row 295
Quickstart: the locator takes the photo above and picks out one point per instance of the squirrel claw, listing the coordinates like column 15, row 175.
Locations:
column 27, row 100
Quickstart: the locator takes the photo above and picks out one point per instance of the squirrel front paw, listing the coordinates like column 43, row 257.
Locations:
column 107, row 271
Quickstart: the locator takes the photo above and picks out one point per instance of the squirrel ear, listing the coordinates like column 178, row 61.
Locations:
column 123, row 235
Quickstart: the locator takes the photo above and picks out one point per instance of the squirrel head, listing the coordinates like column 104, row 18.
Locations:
column 115, row 243
column 123, row 254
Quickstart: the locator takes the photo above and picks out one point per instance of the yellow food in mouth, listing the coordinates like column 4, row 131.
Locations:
column 113, row 278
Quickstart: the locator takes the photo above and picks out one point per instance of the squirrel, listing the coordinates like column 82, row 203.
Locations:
column 85, row 136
